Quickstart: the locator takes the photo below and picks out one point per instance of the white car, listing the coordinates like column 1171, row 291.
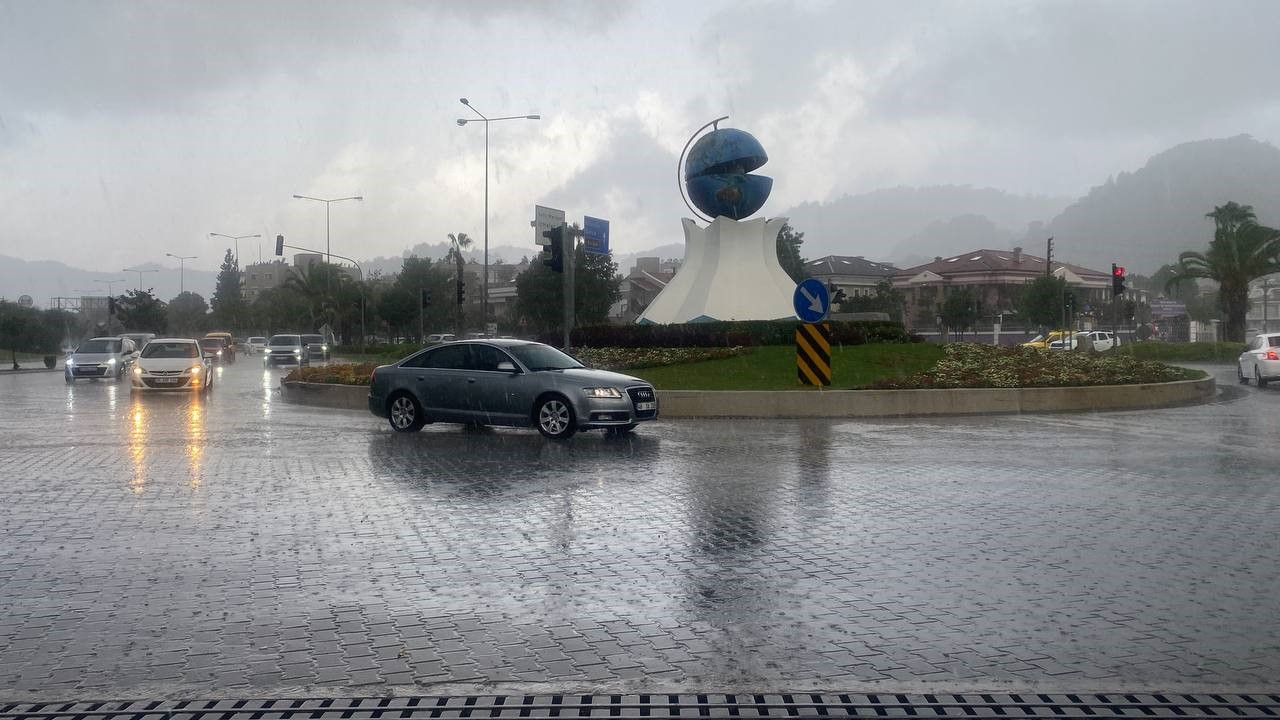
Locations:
column 439, row 338
column 1103, row 340
column 1260, row 360
column 172, row 364
column 101, row 357
column 256, row 345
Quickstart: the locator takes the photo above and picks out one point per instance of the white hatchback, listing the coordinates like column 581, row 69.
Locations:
column 1260, row 360
column 172, row 364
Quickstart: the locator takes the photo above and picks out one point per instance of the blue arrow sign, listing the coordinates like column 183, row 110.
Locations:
column 811, row 301
column 595, row 235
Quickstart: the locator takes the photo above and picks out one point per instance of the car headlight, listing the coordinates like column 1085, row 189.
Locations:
column 194, row 370
column 137, row 370
column 602, row 392
column 111, row 361
column 219, row 352
column 71, row 362
column 324, row 348
column 297, row 351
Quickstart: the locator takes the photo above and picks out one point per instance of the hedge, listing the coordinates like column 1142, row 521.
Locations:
column 729, row 334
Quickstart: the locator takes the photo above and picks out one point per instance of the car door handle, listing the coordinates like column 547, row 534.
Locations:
column 471, row 380
column 421, row 378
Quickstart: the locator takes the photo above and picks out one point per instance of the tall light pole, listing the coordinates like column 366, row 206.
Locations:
column 327, row 203
column 139, row 271
column 182, row 270
column 109, row 283
column 484, row 292
column 236, row 239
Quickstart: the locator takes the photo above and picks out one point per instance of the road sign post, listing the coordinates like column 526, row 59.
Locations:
column 595, row 235
column 544, row 219
column 812, row 303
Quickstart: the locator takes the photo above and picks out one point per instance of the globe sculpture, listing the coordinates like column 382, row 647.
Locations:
column 716, row 174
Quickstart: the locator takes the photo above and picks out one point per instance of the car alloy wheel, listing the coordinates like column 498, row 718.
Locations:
column 1240, row 375
column 404, row 414
column 555, row 418
column 1257, row 377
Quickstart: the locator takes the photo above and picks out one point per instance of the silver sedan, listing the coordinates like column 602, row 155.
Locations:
column 507, row 382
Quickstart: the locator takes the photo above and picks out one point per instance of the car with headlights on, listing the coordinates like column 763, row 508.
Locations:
column 173, row 364
column 217, row 349
column 285, row 350
column 317, row 346
column 507, row 382
column 1260, row 361
column 255, row 344
column 106, row 358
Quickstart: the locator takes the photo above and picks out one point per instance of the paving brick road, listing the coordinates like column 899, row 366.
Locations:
column 238, row 546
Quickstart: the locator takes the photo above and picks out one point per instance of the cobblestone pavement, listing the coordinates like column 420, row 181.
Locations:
column 238, row 546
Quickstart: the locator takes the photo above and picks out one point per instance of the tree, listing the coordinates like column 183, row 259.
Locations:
column 960, row 310
column 1241, row 251
column 887, row 299
column 279, row 310
column 188, row 313
column 399, row 308
column 789, row 242
column 229, row 308
column 142, row 311
column 1040, row 302
column 540, row 292
column 418, row 274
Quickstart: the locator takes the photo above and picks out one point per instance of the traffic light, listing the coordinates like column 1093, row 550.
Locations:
column 553, row 256
column 426, row 298
column 836, row 294
column 1117, row 280
column 1069, row 300
column 462, row 291
column 279, row 245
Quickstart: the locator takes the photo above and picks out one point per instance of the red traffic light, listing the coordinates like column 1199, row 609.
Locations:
column 1118, row 271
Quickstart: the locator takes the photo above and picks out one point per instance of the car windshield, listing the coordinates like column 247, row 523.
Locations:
column 162, row 350
column 284, row 340
column 212, row 343
column 1273, row 341
column 542, row 357
column 257, row 340
column 313, row 338
column 99, row 346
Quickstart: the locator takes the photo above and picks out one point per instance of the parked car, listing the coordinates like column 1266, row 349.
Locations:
column 1044, row 341
column 101, row 357
column 435, row 338
column 1103, row 340
column 316, row 346
column 255, row 345
column 285, row 350
column 1260, row 360
column 217, row 349
column 1074, row 341
column 507, row 382
column 173, row 364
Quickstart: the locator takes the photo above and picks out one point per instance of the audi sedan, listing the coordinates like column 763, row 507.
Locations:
column 173, row 364
column 507, row 382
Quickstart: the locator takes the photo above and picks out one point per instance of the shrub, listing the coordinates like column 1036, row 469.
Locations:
column 636, row 358
column 341, row 374
column 1201, row 351
column 728, row 334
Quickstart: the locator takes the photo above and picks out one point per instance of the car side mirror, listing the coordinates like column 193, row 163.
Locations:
column 506, row 366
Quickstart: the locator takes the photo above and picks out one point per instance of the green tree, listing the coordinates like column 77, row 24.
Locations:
column 398, row 307
column 1040, row 302
column 142, row 311
column 789, row 242
column 1241, row 251
column 886, row 299
column 278, row 310
column 960, row 311
column 418, row 274
column 188, row 313
column 540, row 292
column 229, row 307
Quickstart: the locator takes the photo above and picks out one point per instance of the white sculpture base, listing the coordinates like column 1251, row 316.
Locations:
column 730, row 272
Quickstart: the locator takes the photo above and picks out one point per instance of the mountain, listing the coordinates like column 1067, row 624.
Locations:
column 1143, row 219
column 47, row 279
column 898, row 224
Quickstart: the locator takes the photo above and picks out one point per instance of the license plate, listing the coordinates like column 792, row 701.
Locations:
column 165, row 381
column 642, row 406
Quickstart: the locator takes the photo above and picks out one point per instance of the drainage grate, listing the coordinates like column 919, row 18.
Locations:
column 807, row 705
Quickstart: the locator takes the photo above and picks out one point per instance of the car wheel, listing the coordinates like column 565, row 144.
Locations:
column 1240, row 375
column 404, row 412
column 1257, row 377
column 554, row 417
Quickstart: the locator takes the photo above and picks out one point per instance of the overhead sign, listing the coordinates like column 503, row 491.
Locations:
column 595, row 235
column 25, row 301
column 1168, row 308
column 813, row 354
column 544, row 219
column 811, row 301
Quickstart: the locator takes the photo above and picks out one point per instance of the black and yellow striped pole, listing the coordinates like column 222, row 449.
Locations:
column 813, row 353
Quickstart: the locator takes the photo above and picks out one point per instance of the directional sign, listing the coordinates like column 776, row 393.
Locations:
column 813, row 354
column 811, row 301
column 595, row 235
column 544, row 219
column 25, row 301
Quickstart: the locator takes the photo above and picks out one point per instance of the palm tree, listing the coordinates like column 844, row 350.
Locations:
column 319, row 285
column 459, row 242
column 1241, row 251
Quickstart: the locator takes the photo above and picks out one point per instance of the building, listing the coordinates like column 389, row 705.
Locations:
column 996, row 278
column 1264, row 305
column 638, row 289
column 856, row 275
column 261, row 276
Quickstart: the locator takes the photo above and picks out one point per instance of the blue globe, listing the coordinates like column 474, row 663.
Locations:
column 716, row 174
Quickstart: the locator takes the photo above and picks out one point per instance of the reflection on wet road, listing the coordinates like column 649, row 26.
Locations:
column 177, row 543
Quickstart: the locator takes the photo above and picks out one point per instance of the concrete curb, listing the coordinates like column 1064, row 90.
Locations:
column 856, row 403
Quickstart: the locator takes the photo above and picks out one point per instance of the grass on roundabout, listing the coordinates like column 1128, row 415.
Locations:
column 773, row 367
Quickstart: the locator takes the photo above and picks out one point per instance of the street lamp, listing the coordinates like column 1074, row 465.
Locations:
column 327, row 203
column 139, row 271
column 182, row 270
column 484, row 293
column 237, row 239
column 109, row 283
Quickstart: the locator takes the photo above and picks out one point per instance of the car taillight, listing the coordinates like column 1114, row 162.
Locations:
column 372, row 375
column 1271, row 355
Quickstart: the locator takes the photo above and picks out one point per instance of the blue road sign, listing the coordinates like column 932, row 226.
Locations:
column 595, row 235
column 811, row 301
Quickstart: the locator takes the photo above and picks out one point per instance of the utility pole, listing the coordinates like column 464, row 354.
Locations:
column 570, row 236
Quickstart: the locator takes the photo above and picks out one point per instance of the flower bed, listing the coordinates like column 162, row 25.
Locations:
column 342, row 374
column 965, row 365
column 612, row 358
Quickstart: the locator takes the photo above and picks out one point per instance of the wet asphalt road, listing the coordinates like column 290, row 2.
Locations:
column 239, row 546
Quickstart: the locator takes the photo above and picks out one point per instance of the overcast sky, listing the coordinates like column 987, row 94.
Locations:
column 131, row 129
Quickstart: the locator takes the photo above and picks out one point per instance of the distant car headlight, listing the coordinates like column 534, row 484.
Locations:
column 219, row 352
column 603, row 392
column 71, row 362
column 111, row 361
column 297, row 351
column 324, row 348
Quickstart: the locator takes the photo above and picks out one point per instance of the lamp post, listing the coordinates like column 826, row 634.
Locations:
column 236, row 239
column 327, row 203
column 109, row 283
column 139, row 271
column 182, row 270
column 484, row 292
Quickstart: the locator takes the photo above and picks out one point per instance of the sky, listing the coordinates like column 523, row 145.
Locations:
column 129, row 130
